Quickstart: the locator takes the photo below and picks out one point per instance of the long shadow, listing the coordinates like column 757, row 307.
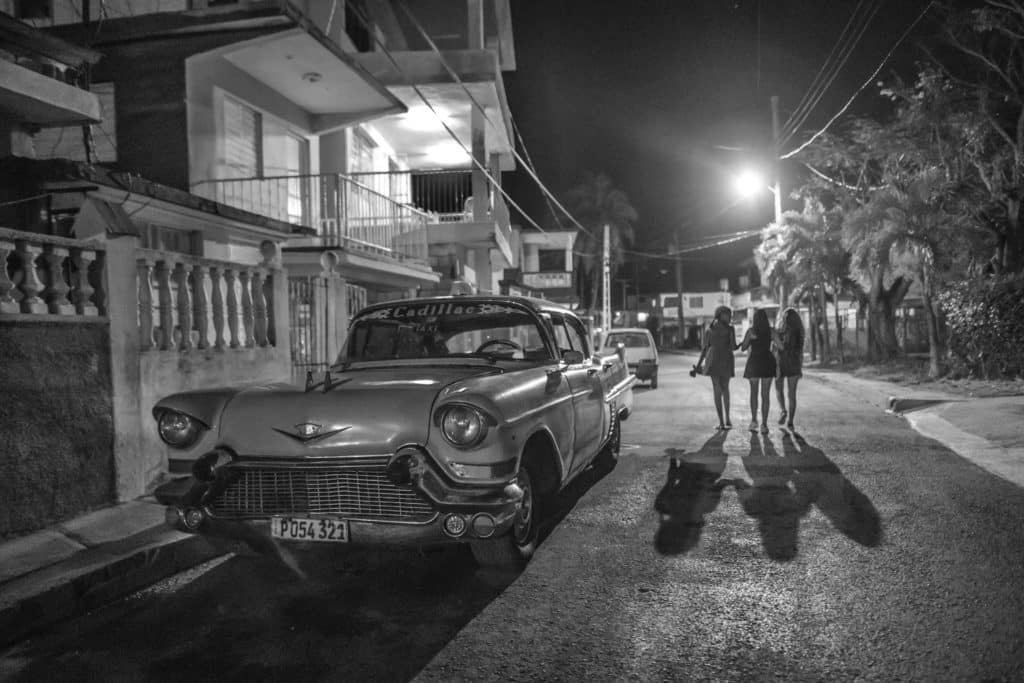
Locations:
column 692, row 490
column 769, row 497
column 819, row 481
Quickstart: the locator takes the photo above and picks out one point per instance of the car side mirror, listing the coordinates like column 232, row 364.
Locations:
column 572, row 357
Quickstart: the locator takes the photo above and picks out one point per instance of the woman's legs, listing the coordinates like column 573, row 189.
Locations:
column 725, row 400
column 716, row 386
column 766, row 393
column 753, row 403
column 779, row 381
column 791, row 385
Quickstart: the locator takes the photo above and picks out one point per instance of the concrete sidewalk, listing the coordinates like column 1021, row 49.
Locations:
column 89, row 561
column 82, row 564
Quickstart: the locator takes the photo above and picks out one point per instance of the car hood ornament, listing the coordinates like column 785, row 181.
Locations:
column 308, row 431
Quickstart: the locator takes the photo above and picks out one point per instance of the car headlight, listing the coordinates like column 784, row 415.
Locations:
column 463, row 426
column 178, row 430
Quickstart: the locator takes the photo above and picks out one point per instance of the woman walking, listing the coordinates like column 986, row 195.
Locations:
column 760, row 369
column 718, row 362
column 789, row 353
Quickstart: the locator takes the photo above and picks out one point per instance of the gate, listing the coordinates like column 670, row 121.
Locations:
column 307, row 311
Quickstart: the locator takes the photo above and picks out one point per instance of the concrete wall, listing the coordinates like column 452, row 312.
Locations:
column 56, row 421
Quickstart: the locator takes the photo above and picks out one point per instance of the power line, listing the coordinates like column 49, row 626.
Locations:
column 457, row 79
column 387, row 53
column 825, row 67
column 787, row 136
column 863, row 85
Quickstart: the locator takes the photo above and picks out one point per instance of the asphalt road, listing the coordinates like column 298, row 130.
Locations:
column 854, row 549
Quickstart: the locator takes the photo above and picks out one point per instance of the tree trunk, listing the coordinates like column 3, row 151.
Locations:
column 934, row 338
column 826, row 346
column 882, row 304
column 839, row 327
column 812, row 327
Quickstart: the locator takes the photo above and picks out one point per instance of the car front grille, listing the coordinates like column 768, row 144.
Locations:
column 344, row 491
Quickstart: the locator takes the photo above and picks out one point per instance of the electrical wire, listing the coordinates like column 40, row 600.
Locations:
column 863, row 85
column 786, row 137
column 457, row 79
column 825, row 66
column 387, row 53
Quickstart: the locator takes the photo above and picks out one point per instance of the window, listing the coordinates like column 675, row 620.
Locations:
column 67, row 143
column 671, row 301
column 561, row 334
column 361, row 159
column 696, row 302
column 551, row 260
column 631, row 340
column 578, row 336
column 243, row 140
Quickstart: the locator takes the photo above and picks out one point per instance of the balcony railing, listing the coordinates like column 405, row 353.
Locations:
column 446, row 195
column 343, row 211
column 50, row 276
column 547, row 280
column 218, row 304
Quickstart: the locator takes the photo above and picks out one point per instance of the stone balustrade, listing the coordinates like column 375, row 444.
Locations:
column 221, row 305
column 43, row 275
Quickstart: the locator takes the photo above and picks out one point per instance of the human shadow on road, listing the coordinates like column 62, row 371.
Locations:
column 819, row 481
column 769, row 497
column 692, row 490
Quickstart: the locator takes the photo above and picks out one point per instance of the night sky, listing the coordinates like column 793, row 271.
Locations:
column 647, row 91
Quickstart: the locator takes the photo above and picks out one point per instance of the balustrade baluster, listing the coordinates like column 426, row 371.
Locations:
column 8, row 304
column 217, row 287
column 268, row 296
column 201, row 304
column 144, row 270
column 247, row 314
column 56, row 292
column 259, row 307
column 232, row 302
column 81, row 290
column 165, row 302
column 184, row 306
column 30, row 284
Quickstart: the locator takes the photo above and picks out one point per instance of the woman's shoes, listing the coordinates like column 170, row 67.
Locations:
column 720, row 428
column 782, row 418
column 764, row 429
column 728, row 425
column 790, row 427
column 753, row 425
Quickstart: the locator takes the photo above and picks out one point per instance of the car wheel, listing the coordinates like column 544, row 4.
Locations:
column 654, row 381
column 610, row 453
column 513, row 550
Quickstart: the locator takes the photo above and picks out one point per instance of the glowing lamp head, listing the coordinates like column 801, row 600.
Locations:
column 749, row 184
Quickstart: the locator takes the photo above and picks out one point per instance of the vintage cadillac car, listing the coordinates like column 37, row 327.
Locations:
column 444, row 420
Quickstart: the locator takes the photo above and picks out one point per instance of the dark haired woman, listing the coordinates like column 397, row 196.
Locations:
column 718, row 361
column 760, row 369
column 789, row 352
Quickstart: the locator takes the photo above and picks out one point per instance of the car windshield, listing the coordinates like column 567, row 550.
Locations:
column 631, row 340
column 443, row 330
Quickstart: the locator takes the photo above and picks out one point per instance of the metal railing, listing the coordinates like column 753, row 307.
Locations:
column 343, row 211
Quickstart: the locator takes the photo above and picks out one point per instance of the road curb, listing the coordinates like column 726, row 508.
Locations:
column 99, row 576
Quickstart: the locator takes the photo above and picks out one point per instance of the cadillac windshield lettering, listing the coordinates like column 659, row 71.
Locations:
column 444, row 420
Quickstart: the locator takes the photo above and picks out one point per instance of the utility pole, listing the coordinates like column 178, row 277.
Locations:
column 606, row 284
column 777, row 185
column 679, row 289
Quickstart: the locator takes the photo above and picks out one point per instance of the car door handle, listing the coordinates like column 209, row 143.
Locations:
column 591, row 371
column 607, row 365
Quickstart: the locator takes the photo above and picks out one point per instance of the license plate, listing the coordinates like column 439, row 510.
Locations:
column 301, row 529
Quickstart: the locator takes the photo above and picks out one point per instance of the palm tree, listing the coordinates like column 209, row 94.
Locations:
column 595, row 202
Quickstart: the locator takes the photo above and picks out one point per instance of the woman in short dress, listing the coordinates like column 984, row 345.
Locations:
column 718, row 363
column 789, row 354
column 760, row 368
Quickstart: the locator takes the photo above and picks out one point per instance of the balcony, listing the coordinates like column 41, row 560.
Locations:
column 447, row 197
column 391, row 213
column 343, row 212
column 42, row 79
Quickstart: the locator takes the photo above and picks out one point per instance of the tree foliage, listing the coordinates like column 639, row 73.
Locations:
column 595, row 202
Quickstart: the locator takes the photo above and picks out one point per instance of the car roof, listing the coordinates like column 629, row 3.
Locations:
column 538, row 305
column 615, row 330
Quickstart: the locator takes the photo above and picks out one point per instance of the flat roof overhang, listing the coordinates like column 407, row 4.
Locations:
column 415, row 134
column 472, row 234
column 32, row 97
column 359, row 268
